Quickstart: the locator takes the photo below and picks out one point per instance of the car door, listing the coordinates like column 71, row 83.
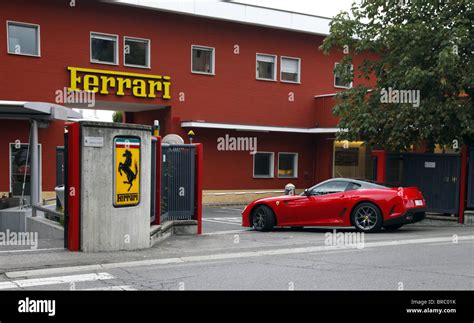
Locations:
column 327, row 203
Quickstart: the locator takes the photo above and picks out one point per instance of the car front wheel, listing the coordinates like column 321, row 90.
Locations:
column 366, row 217
column 263, row 218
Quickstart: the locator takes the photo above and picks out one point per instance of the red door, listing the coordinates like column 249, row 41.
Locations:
column 326, row 204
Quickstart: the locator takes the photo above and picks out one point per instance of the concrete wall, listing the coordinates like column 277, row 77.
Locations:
column 45, row 228
column 14, row 219
column 104, row 227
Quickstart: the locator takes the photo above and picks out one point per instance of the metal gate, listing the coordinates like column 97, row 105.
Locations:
column 177, row 182
column 470, row 180
column 436, row 175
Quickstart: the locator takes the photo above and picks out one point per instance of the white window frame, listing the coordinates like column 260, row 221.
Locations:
column 38, row 33
column 116, row 48
column 40, row 166
column 340, row 86
column 274, row 79
column 213, row 51
column 148, row 41
column 296, row 165
column 272, row 165
column 299, row 69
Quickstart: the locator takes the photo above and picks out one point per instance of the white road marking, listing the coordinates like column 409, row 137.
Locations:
column 123, row 287
column 54, row 280
column 232, row 209
column 236, row 255
column 226, row 232
column 54, row 271
column 225, row 220
column 30, row 250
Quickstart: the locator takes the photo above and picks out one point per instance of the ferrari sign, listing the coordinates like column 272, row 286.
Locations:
column 127, row 171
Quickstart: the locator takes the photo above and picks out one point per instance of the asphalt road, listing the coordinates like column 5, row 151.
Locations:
column 229, row 257
column 221, row 219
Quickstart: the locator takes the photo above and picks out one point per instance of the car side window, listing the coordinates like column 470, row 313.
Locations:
column 353, row 187
column 329, row 188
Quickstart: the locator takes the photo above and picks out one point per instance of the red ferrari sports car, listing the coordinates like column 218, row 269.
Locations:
column 339, row 202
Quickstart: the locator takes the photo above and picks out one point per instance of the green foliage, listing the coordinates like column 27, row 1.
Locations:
column 117, row 116
column 420, row 45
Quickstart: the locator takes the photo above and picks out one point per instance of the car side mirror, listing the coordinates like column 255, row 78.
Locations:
column 307, row 192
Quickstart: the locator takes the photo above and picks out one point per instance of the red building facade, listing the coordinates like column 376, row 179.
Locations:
column 290, row 115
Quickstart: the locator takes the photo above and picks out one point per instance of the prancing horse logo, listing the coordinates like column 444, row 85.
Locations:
column 126, row 167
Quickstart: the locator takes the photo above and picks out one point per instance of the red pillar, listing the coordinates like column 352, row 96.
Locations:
column 199, row 172
column 381, row 156
column 463, row 183
column 73, row 192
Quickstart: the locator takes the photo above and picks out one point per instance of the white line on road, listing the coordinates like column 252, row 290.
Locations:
column 235, row 255
column 123, row 287
column 30, row 250
column 226, row 232
column 224, row 221
column 232, row 209
column 55, row 280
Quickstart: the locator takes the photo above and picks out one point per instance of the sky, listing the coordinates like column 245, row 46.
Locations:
column 325, row 8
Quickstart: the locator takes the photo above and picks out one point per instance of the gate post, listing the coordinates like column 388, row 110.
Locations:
column 463, row 183
column 381, row 156
column 72, row 191
column 198, row 199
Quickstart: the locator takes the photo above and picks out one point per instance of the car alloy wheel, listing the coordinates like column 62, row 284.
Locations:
column 263, row 218
column 366, row 218
column 259, row 219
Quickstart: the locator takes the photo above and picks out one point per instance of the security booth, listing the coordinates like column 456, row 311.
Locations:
column 114, row 184
column 17, row 209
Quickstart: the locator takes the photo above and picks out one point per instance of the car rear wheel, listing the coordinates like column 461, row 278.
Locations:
column 366, row 217
column 393, row 227
column 263, row 218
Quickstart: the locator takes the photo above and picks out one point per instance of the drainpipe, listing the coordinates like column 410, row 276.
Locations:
column 34, row 170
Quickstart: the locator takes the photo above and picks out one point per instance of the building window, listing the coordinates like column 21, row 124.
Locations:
column 290, row 70
column 338, row 81
column 353, row 159
column 23, row 39
column 202, row 60
column 288, row 165
column 263, row 165
column 266, row 67
column 20, row 168
column 104, row 48
column 136, row 52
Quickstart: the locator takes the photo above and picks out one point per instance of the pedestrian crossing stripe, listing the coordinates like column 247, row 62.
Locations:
column 35, row 282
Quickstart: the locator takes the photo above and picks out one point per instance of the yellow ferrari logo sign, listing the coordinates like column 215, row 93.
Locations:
column 127, row 171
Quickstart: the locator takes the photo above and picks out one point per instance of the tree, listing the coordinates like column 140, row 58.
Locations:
column 117, row 116
column 422, row 47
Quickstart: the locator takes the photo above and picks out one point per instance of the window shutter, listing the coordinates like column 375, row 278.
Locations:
column 289, row 66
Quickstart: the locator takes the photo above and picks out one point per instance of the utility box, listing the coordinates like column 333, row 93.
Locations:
column 109, row 186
